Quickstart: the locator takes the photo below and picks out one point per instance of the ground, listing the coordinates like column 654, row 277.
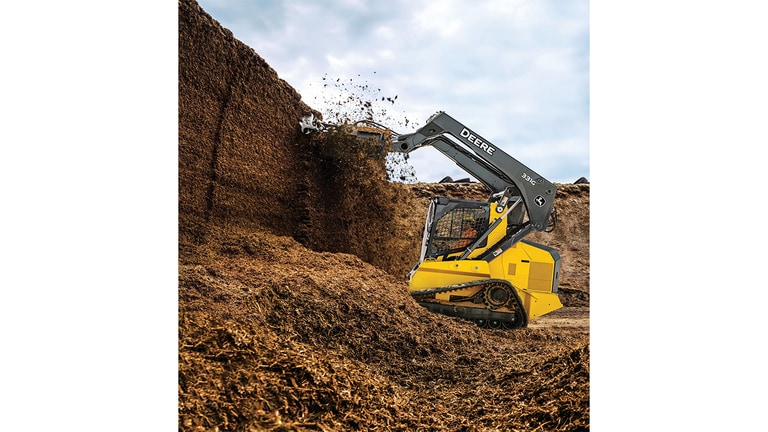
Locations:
column 293, row 307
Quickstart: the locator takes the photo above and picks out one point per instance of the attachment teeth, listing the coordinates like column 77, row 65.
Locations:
column 308, row 124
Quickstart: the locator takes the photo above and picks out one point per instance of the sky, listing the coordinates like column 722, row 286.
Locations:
column 515, row 72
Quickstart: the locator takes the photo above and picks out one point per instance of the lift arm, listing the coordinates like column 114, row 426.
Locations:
column 497, row 170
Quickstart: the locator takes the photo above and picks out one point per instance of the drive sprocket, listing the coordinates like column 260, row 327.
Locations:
column 497, row 295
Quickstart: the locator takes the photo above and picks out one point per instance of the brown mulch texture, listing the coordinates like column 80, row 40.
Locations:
column 274, row 336
column 293, row 307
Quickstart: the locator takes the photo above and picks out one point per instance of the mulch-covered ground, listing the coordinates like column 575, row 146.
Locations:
column 273, row 336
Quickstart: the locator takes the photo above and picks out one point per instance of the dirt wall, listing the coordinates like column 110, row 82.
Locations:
column 244, row 162
column 238, row 134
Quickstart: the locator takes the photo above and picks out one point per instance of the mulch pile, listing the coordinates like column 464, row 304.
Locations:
column 273, row 336
column 293, row 307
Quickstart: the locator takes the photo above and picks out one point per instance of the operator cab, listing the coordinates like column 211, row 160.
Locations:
column 452, row 226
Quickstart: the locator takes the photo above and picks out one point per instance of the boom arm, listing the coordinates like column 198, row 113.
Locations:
column 500, row 172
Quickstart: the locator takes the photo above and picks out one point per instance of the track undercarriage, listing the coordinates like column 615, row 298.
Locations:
column 490, row 303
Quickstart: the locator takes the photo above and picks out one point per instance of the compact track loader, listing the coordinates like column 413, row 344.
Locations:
column 474, row 262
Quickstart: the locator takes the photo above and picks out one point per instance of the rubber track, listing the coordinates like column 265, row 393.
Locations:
column 473, row 313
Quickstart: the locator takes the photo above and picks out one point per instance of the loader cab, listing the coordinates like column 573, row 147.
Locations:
column 452, row 225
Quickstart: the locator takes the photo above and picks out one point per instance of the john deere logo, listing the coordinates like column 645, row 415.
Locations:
column 539, row 200
column 466, row 133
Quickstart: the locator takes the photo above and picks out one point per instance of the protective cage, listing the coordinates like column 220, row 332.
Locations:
column 456, row 225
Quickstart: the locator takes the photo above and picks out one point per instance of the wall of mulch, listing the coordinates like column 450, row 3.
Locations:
column 243, row 160
column 238, row 132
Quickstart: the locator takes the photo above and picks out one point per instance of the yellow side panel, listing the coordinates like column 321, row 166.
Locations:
column 539, row 303
column 540, row 276
column 528, row 267
column 513, row 266
column 497, row 269
column 434, row 274
column 536, row 254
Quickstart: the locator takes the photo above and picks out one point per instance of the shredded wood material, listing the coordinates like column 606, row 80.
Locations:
column 293, row 309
